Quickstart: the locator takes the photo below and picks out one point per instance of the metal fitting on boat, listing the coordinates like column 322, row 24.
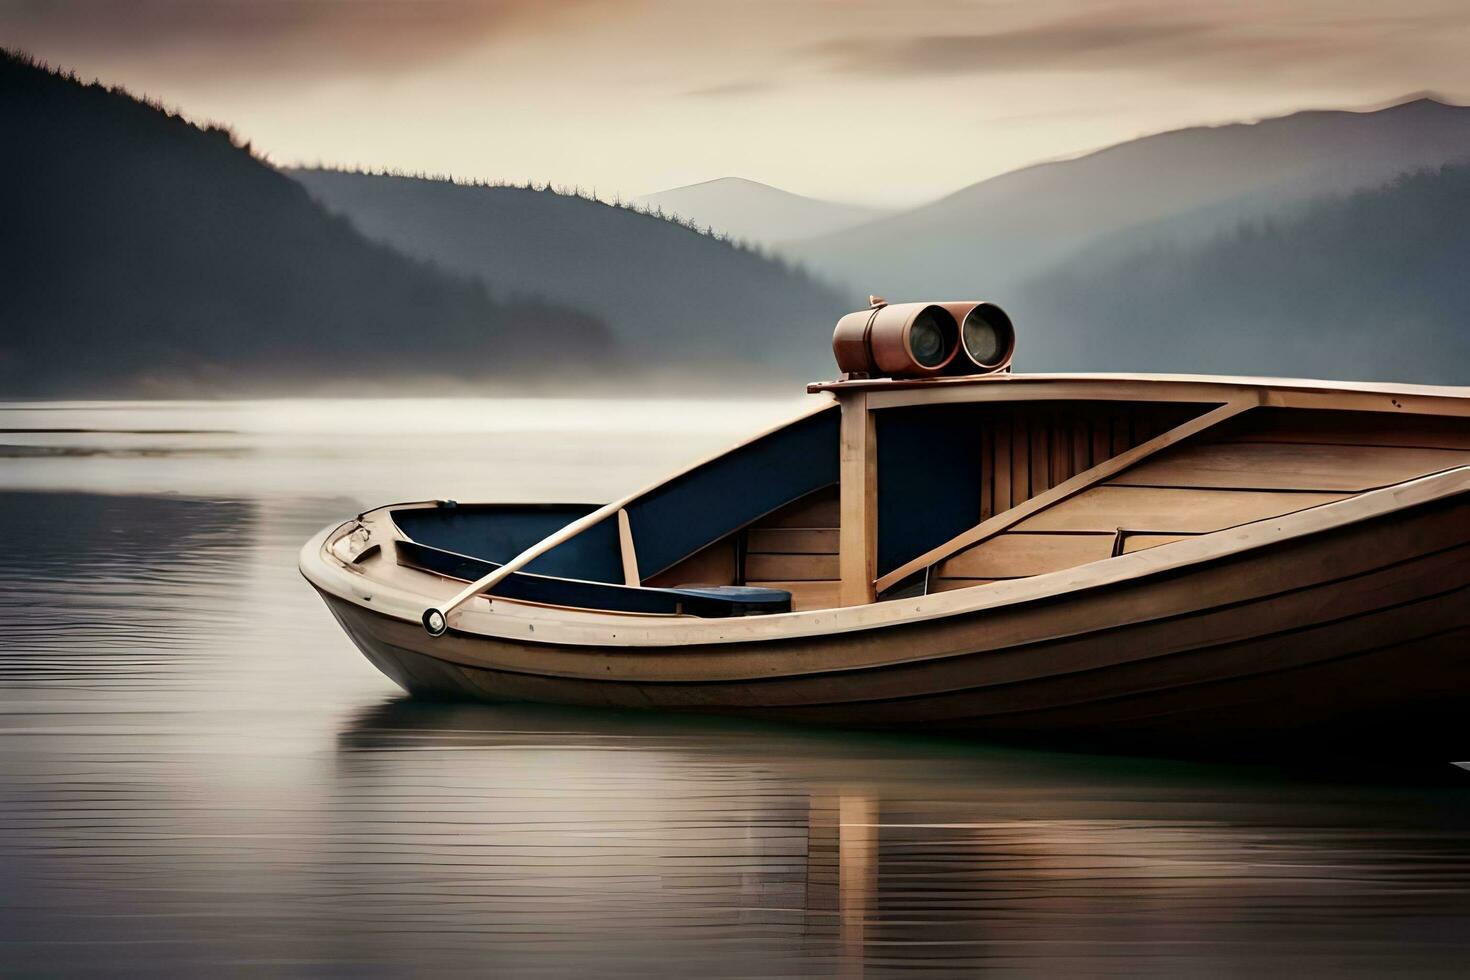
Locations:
column 918, row 340
column 435, row 622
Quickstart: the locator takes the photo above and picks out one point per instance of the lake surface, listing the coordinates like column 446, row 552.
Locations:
column 200, row 774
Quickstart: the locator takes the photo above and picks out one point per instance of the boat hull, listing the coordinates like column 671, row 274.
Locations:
column 1358, row 633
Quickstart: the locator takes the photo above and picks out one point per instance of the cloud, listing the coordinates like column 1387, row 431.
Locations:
column 1084, row 42
column 298, row 37
column 1220, row 43
column 730, row 90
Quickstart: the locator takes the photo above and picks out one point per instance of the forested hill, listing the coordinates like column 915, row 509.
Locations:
column 674, row 297
column 1180, row 186
column 1371, row 285
column 144, row 254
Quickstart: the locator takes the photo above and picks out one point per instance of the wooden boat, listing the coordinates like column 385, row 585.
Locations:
column 1081, row 556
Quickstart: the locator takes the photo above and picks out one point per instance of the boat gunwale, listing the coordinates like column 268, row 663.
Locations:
column 1001, row 381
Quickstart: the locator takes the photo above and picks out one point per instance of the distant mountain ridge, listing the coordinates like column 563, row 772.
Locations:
column 754, row 212
column 1371, row 285
column 675, row 299
column 988, row 238
column 145, row 255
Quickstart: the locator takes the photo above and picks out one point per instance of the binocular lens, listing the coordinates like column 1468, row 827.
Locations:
column 983, row 340
column 927, row 341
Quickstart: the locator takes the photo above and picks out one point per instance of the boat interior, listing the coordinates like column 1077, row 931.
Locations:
column 894, row 490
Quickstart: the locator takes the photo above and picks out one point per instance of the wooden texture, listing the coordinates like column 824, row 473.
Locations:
column 802, row 568
column 1355, row 428
column 1292, row 393
column 796, row 549
column 792, row 541
column 1040, row 462
column 1289, row 466
column 1099, row 471
column 1020, row 468
column 858, row 465
column 952, row 584
column 629, row 553
column 820, row 509
column 987, row 481
column 1142, row 542
column 711, row 565
column 1108, row 508
column 1014, row 555
column 805, row 595
column 1000, row 466
column 1081, row 444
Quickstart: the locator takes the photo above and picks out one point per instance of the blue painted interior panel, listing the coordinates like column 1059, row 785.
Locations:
column 499, row 532
column 704, row 505
column 668, row 524
column 928, row 478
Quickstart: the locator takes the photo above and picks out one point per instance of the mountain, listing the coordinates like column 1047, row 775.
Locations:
column 1370, row 285
column 144, row 254
column 1178, row 186
column 754, row 212
column 673, row 297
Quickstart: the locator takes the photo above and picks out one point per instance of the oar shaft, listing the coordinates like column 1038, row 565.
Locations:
column 498, row 575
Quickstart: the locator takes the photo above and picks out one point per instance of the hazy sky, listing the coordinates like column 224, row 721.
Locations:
column 873, row 102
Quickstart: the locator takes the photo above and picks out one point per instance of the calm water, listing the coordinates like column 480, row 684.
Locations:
column 199, row 773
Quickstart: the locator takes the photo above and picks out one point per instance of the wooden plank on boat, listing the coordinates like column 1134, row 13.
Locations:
column 798, row 568
column 1199, row 389
column 1289, row 466
column 1060, row 465
column 625, row 544
column 987, row 470
column 792, row 541
column 806, row 595
column 1122, row 434
column 1020, row 459
column 1146, row 424
column 1081, row 445
column 1143, row 542
column 951, row 584
column 858, row 464
column 819, row 509
column 1352, row 428
column 1016, row 555
column 1102, row 446
column 1106, row 508
column 711, row 565
column 1040, row 462
column 1001, row 480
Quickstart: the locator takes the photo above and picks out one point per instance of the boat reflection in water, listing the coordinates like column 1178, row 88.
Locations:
column 635, row 843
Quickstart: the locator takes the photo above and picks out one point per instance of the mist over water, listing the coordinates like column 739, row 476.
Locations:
column 200, row 774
